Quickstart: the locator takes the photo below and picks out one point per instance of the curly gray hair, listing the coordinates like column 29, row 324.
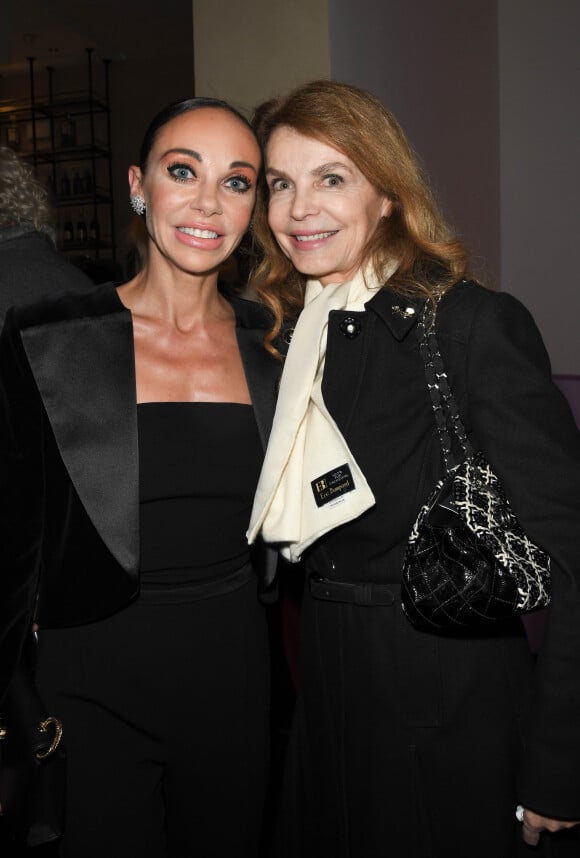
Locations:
column 23, row 199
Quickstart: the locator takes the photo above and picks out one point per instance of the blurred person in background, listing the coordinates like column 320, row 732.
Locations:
column 30, row 265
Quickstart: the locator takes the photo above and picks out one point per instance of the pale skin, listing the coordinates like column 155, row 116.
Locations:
column 535, row 823
column 199, row 189
column 322, row 211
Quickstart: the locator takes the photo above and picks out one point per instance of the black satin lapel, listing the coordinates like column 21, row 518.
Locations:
column 262, row 374
column 85, row 372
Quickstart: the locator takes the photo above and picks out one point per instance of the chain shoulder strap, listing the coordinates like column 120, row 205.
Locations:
column 447, row 417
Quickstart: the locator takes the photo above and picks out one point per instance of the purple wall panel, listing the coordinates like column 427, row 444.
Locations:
column 570, row 387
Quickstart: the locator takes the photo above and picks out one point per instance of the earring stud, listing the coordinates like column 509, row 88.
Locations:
column 138, row 204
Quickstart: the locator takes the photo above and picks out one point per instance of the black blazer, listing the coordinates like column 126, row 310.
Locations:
column 69, row 533
column 500, row 374
column 31, row 268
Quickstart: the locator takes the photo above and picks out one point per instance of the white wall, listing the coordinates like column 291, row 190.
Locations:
column 539, row 61
column 249, row 51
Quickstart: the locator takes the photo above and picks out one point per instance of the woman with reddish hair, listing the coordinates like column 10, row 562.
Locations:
column 405, row 743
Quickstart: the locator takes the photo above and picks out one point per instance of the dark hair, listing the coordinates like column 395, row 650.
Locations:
column 430, row 257
column 177, row 108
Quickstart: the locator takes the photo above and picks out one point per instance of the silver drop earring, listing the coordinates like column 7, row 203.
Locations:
column 138, row 204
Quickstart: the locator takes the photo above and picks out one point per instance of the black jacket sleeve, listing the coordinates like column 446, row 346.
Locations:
column 524, row 425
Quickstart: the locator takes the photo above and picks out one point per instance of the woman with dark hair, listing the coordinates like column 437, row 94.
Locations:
column 405, row 742
column 134, row 423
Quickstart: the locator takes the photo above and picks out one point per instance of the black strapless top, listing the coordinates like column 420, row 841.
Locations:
column 199, row 464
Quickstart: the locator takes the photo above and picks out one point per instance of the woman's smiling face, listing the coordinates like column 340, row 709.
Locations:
column 199, row 187
column 322, row 210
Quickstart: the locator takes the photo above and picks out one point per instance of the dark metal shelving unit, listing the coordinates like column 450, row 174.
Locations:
column 88, row 151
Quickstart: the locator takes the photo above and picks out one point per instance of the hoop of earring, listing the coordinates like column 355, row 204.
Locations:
column 138, row 204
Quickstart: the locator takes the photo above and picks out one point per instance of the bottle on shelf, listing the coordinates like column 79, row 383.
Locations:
column 65, row 185
column 94, row 231
column 13, row 134
column 87, row 182
column 68, row 133
column 77, row 184
column 81, row 229
column 68, row 232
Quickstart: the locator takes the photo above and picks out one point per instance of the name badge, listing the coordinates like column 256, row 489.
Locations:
column 332, row 485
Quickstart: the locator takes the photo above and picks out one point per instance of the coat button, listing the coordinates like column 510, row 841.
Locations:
column 350, row 328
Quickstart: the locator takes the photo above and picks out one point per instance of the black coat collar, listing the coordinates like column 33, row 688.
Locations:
column 398, row 312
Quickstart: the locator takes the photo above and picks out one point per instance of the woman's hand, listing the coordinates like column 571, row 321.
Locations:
column 534, row 823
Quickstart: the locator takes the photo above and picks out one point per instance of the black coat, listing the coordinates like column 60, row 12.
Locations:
column 69, row 531
column 413, row 744
column 31, row 269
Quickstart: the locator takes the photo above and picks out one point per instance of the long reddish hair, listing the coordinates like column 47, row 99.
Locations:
column 430, row 258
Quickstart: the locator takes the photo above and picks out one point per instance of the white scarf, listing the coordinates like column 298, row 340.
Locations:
column 307, row 457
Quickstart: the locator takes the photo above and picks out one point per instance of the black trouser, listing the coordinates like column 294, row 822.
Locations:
column 165, row 712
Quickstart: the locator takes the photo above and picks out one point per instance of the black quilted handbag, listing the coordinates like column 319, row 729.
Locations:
column 468, row 562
